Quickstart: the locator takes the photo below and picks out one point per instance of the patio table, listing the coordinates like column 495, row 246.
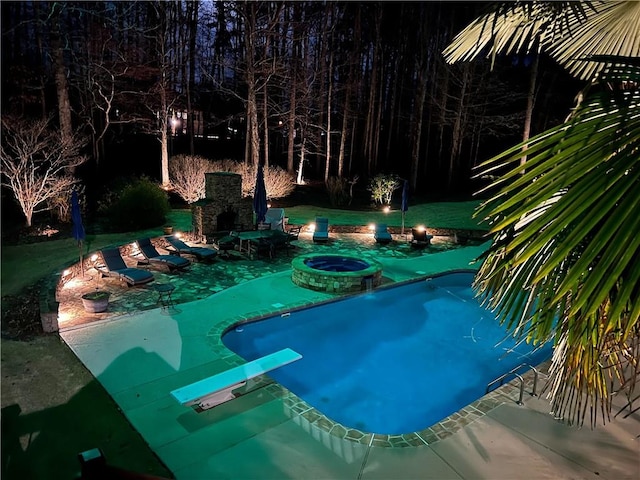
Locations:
column 246, row 238
column 164, row 294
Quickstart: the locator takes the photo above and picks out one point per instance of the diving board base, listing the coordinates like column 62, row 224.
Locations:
column 218, row 389
column 217, row 398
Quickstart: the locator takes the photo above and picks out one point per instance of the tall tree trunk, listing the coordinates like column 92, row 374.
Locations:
column 456, row 136
column 41, row 55
column 164, row 87
column 417, row 131
column 531, row 100
column 293, row 87
column 393, row 105
column 328, row 138
column 371, row 124
column 60, row 75
column 192, row 9
column 291, row 126
column 347, row 114
column 265, row 115
column 164, row 140
column 253, row 143
column 300, row 177
column 265, row 99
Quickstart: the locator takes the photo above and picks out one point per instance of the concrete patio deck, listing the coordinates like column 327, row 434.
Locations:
column 140, row 357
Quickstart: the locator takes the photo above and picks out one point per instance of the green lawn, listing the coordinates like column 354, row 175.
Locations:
column 24, row 265
column 435, row 215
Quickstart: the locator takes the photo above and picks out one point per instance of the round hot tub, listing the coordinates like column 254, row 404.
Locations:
column 335, row 273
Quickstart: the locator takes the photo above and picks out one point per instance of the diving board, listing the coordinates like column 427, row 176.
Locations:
column 217, row 389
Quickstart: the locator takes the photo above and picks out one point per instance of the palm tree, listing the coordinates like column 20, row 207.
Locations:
column 564, row 265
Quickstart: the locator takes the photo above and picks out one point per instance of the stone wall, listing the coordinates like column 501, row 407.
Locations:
column 223, row 208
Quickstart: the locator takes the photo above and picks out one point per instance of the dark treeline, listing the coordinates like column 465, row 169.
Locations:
column 340, row 88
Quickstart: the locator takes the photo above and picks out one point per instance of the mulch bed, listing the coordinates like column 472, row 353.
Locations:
column 21, row 315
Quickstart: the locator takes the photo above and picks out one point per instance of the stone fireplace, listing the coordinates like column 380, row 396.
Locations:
column 223, row 208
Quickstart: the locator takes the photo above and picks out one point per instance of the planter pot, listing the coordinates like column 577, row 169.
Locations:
column 96, row 302
column 168, row 230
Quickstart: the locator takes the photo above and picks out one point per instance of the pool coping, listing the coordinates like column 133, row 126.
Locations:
column 309, row 417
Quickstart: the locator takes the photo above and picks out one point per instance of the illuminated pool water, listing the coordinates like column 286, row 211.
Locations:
column 336, row 263
column 392, row 361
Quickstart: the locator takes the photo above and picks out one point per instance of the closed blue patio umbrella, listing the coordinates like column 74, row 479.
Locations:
column 405, row 202
column 260, row 197
column 78, row 228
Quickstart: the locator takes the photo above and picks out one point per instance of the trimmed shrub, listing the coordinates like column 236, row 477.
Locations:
column 338, row 190
column 138, row 204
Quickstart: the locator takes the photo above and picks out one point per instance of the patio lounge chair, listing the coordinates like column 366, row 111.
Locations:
column 153, row 257
column 381, row 233
column 114, row 266
column 420, row 238
column 321, row 232
column 179, row 247
column 217, row 389
column 275, row 217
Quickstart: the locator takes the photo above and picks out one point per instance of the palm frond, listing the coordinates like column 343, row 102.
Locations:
column 572, row 33
column 514, row 27
column 610, row 28
column 565, row 260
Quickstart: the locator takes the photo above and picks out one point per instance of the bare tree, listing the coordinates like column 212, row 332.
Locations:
column 187, row 174
column 37, row 163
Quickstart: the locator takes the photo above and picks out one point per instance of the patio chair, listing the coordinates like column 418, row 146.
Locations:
column 275, row 217
column 261, row 246
column 226, row 243
column 381, row 234
column 321, row 232
column 177, row 246
column 420, row 238
column 294, row 232
column 282, row 240
column 154, row 258
column 113, row 265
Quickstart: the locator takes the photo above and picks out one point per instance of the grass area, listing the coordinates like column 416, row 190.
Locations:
column 458, row 215
column 24, row 265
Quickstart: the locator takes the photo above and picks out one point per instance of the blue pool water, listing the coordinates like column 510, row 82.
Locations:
column 392, row 361
column 332, row 263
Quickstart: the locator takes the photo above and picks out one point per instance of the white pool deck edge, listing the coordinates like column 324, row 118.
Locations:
column 140, row 358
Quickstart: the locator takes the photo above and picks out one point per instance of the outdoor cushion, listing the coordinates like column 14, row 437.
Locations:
column 381, row 233
column 114, row 266
column 180, row 247
column 275, row 217
column 153, row 257
column 321, row 232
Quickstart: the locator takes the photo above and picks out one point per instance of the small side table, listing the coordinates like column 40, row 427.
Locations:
column 164, row 295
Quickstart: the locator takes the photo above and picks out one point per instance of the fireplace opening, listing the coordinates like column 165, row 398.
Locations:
column 226, row 221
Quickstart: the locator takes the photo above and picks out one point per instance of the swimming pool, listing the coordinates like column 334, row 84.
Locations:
column 392, row 361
